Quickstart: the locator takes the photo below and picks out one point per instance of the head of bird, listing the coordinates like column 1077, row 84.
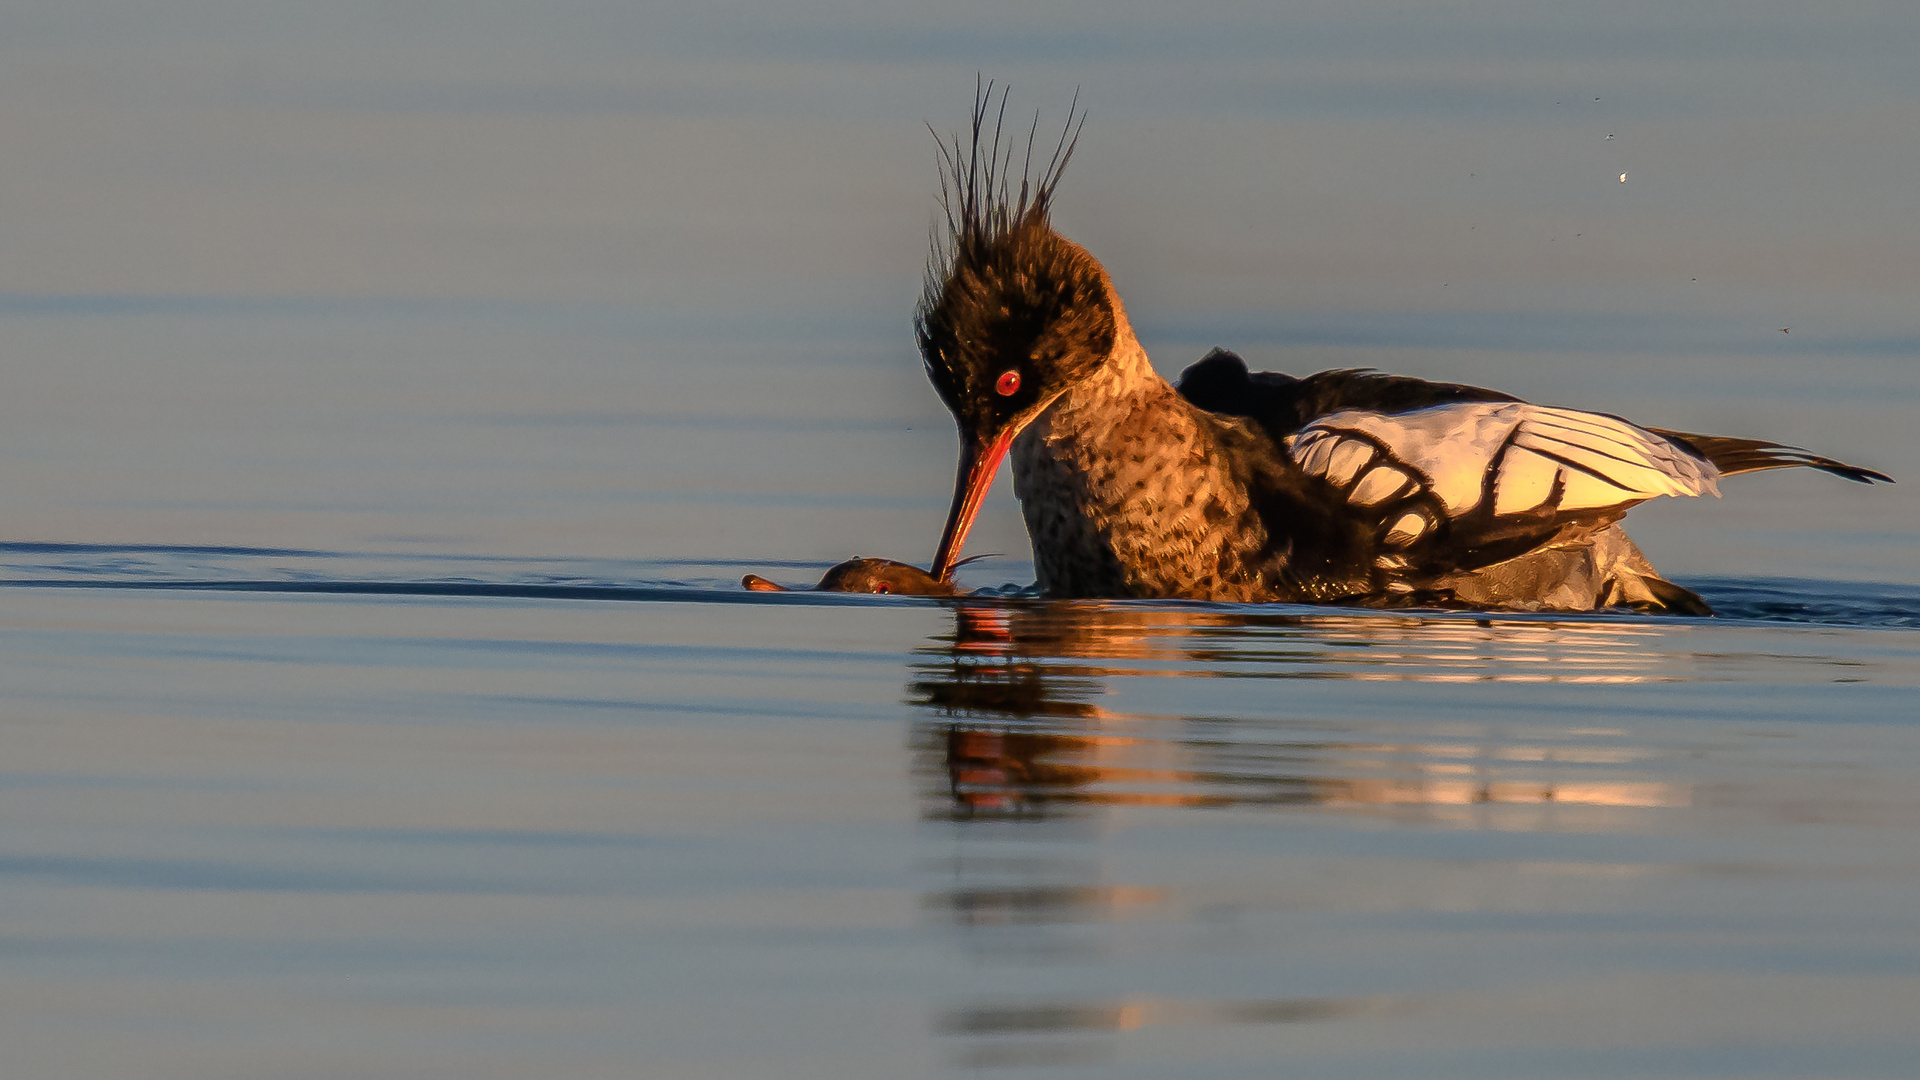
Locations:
column 1014, row 314
column 1017, row 320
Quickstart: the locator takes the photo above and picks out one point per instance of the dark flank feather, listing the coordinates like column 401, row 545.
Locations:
column 1282, row 404
column 1735, row 456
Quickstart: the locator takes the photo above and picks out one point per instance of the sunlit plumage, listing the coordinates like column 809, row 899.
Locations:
column 1341, row 487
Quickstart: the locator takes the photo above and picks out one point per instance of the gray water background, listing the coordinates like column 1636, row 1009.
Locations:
column 394, row 394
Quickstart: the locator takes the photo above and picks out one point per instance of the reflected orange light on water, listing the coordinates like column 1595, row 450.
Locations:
column 1017, row 727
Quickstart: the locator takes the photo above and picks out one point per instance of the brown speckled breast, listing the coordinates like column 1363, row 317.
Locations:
column 1126, row 493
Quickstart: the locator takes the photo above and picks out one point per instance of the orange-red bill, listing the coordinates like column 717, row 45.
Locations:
column 756, row 583
column 970, row 486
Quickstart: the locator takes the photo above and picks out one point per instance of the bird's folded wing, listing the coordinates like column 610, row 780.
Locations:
column 1494, row 460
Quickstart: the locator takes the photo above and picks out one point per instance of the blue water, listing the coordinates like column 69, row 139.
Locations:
column 711, row 581
column 297, row 813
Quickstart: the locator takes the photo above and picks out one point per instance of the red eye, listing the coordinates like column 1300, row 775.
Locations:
column 1008, row 383
column 883, row 588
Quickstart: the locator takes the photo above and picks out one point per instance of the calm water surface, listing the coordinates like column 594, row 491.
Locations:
column 539, row 819
column 391, row 397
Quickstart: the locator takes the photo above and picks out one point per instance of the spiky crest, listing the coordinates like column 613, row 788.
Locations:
column 997, row 253
column 976, row 180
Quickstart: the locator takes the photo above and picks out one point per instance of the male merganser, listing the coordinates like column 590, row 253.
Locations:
column 1344, row 487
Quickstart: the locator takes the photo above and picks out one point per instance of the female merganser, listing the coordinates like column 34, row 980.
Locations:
column 1344, row 487
column 869, row 575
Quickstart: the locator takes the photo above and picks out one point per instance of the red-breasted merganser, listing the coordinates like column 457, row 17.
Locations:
column 1346, row 487
column 868, row 575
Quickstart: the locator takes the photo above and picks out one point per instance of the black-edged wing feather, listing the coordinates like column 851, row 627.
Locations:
column 1454, row 477
column 1735, row 456
column 1463, row 485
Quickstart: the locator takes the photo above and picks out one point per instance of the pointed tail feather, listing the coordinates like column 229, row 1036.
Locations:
column 1735, row 456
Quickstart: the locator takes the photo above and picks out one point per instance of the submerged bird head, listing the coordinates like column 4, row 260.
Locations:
column 1014, row 314
column 866, row 575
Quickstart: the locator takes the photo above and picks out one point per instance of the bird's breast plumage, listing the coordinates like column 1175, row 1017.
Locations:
column 1127, row 494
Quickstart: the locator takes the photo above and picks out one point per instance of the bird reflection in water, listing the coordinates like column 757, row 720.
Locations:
column 1063, row 1032
column 1016, row 726
column 1031, row 717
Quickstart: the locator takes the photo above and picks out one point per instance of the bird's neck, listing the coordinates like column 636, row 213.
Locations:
column 1129, row 369
column 1123, row 391
column 1126, row 377
column 1119, row 473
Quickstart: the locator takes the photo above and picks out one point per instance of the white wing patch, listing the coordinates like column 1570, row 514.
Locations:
column 1381, row 483
column 1589, row 460
column 1407, row 529
column 1346, row 460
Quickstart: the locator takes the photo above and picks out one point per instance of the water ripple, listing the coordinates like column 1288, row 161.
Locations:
column 240, row 568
